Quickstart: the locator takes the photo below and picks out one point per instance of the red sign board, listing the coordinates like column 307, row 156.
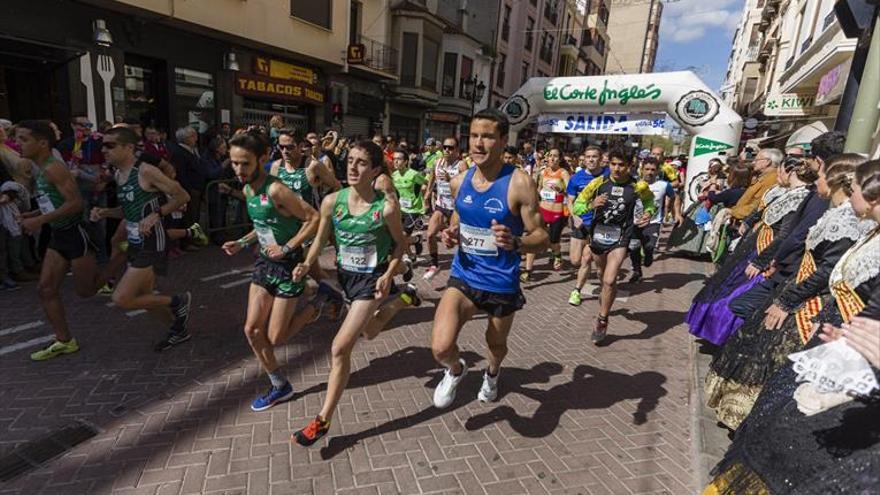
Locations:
column 357, row 53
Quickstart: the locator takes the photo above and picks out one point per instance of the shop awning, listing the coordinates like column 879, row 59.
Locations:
column 805, row 135
column 25, row 54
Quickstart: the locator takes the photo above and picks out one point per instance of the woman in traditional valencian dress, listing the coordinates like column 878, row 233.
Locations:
column 709, row 317
column 784, row 324
column 796, row 440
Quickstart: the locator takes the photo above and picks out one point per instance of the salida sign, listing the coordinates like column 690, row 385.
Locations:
column 579, row 123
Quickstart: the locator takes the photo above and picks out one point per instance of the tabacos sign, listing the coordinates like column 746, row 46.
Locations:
column 602, row 95
column 580, row 123
column 703, row 146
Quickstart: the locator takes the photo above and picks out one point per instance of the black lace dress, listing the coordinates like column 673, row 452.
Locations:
column 779, row 450
column 753, row 353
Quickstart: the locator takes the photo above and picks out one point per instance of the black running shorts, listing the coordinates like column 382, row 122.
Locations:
column 71, row 242
column 493, row 303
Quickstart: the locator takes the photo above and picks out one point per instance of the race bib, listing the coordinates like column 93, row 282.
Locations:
column 406, row 203
column 359, row 259
column 617, row 191
column 133, row 231
column 45, row 204
column 265, row 236
column 606, row 235
column 548, row 195
column 477, row 241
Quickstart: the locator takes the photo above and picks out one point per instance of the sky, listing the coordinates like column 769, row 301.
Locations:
column 697, row 35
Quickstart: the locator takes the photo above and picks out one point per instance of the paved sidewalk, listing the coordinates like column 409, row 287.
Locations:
column 571, row 418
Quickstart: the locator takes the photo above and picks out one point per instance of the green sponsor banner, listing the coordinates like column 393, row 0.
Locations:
column 704, row 146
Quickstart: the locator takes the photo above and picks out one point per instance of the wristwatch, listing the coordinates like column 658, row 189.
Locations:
column 285, row 250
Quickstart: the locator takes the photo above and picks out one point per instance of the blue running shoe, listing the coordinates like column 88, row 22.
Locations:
column 273, row 397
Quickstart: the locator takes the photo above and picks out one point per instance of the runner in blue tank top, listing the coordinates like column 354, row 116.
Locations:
column 494, row 205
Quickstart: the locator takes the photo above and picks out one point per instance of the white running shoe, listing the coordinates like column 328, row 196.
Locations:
column 444, row 394
column 489, row 391
column 430, row 273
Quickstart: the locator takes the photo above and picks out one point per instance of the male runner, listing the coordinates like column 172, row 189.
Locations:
column 495, row 219
column 447, row 167
column 369, row 239
column 580, row 225
column 408, row 184
column 139, row 188
column 612, row 201
column 646, row 233
column 61, row 207
column 283, row 221
column 299, row 171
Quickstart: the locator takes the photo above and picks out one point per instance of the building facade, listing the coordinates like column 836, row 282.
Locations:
column 788, row 68
column 634, row 32
column 174, row 63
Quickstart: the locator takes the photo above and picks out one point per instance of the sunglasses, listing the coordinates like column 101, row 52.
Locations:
column 87, row 125
column 287, row 147
column 109, row 146
column 447, row 147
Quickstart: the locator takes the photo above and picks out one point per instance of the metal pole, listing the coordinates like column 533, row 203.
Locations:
column 866, row 113
column 851, row 91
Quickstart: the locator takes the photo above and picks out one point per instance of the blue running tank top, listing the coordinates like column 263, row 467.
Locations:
column 478, row 261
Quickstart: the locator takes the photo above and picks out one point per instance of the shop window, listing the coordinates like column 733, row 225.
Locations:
column 449, row 62
column 193, row 99
column 140, row 94
column 410, row 55
column 317, row 12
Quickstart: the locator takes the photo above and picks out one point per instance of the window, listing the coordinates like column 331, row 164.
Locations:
column 603, row 13
column 193, row 99
column 530, row 33
column 467, row 70
column 600, row 44
column 505, row 24
column 499, row 71
column 354, row 28
column 450, row 60
column 430, row 53
column 525, row 73
column 409, row 59
column 317, row 12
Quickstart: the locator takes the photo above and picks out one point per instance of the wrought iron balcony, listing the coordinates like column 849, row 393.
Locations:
column 379, row 56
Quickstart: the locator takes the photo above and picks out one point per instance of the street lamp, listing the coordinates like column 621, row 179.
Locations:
column 473, row 90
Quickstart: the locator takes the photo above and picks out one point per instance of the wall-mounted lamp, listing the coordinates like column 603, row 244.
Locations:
column 101, row 35
column 230, row 63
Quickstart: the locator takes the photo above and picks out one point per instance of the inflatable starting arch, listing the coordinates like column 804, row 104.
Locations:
column 714, row 126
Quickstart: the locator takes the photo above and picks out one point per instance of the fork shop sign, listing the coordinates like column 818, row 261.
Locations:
column 602, row 123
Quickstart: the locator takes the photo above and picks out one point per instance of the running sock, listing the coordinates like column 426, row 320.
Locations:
column 277, row 378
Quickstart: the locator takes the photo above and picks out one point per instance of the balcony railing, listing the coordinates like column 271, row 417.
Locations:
column 379, row 56
column 752, row 53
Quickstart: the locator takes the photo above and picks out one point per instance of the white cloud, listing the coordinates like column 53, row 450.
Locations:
column 687, row 21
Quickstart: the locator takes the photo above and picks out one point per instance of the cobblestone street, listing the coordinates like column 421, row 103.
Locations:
column 571, row 418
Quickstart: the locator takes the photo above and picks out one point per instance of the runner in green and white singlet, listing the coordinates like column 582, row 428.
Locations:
column 60, row 206
column 409, row 184
column 283, row 222
column 140, row 187
column 305, row 176
column 369, row 238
